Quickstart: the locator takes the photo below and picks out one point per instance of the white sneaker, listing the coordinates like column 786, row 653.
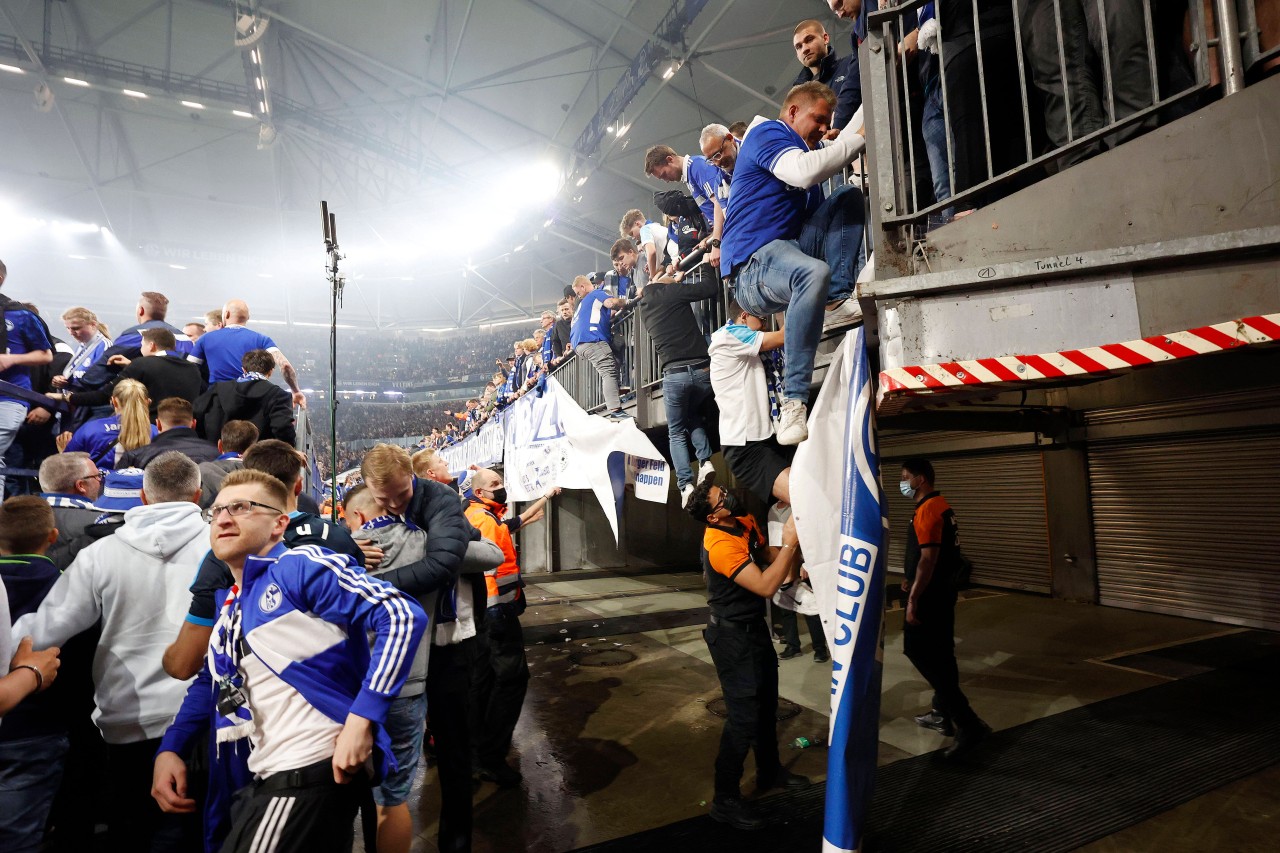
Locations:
column 792, row 428
column 843, row 313
column 706, row 470
column 684, row 495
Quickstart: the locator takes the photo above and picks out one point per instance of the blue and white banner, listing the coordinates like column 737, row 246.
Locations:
column 846, row 565
column 549, row 440
column 484, row 448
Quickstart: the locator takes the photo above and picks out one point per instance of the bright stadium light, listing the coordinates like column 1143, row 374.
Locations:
column 134, row 93
column 75, row 82
column 12, row 69
column 193, row 105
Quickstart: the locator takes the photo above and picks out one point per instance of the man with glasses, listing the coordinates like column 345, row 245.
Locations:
column 184, row 656
column 293, row 673
column 706, row 183
column 135, row 583
column 742, row 573
column 720, row 147
column 70, row 483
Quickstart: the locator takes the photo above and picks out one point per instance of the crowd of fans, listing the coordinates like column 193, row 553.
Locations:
column 118, row 430
column 400, row 360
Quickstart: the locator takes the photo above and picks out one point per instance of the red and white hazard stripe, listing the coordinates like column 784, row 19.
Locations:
column 1008, row 369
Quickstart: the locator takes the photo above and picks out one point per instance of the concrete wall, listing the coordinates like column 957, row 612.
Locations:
column 576, row 535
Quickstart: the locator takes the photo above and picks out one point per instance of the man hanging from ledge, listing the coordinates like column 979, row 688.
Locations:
column 785, row 248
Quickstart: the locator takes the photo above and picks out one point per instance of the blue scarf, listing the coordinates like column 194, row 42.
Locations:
column 774, row 361
column 225, row 651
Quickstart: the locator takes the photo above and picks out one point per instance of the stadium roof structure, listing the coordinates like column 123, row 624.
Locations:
column 477, row 153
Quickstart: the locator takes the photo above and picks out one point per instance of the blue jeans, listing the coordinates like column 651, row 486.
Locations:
column 934, row 127
column 405, row 723
column 30, row 773
column 684, row 393
column 12, row 415
column 801, row 276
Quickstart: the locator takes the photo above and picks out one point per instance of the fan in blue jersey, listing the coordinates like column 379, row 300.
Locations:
column 150, row 313
column 220, row 352
column 786, row 248
column 24, row 343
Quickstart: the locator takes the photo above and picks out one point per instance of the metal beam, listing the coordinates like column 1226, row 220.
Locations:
column 607, row 48
column 735, row 82
column 523, row 66
column 71, row 134
column 448, row 74
column 724, row 10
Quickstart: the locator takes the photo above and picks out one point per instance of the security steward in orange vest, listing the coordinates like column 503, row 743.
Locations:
column 739, row 582
column 501, row 674
column 932, row 564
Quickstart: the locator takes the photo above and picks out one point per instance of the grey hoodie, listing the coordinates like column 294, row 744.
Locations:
column 137, row 582
column 402, row 545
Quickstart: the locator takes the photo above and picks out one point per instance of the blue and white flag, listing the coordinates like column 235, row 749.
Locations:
column 551, row 441
column 836, row 475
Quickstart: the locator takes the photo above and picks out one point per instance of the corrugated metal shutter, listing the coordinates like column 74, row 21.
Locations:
column 1190, row 526
column 999, row 504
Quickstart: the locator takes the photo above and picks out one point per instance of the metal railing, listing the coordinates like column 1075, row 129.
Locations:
column 1011, row 77
column 639, row 366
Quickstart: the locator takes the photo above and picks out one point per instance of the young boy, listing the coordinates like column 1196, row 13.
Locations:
column 401, row 544
column 33, row 739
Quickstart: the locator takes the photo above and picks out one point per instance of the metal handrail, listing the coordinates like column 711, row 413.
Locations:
column 895, row 141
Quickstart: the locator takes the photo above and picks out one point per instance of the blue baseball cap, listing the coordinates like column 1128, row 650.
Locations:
column 122, row 490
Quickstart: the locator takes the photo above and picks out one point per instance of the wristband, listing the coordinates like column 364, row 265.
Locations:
column 36, row 670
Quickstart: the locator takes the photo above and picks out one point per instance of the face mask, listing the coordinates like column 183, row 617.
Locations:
column 732, row 504
column 500, row 495
column 905, row 488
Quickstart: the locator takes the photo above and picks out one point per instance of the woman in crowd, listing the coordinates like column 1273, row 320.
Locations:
column 107, row 439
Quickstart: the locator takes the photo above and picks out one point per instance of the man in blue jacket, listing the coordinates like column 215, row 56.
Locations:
column 291, row 666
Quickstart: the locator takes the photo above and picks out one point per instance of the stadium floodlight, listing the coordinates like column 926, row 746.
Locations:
column 242, row 114
column 75, row 81
column 193, row 105
column 12, row 69
column 134, row 93
column 176, row 267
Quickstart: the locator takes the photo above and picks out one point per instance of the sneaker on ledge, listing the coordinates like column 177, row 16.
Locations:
column 617, row 414
column 705, row 470
column 843, row 313
column 792, row 428
column 684, row 495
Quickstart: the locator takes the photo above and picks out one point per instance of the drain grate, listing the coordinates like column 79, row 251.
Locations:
column 602, row 657
column 786, row 708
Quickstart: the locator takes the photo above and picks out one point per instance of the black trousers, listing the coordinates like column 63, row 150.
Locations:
column 314, row 815
column 931, row 648
column 448, row 715
column 790, row 628
column 1003, row 104
column 134, row 821
column 748, row 670
column 499, row 680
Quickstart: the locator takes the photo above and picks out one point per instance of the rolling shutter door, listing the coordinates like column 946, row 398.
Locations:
column 1000, row 508
column 1190, row 526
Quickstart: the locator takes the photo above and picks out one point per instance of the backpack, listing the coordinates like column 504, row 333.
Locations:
column 678, row 204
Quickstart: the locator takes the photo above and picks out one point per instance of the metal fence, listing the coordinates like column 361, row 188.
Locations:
column 1024, row 88
column 639, row 367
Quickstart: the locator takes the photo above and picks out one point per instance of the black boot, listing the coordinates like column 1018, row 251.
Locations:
column 735, row 812
column 967, row 737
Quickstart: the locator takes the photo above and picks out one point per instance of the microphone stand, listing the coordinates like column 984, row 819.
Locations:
column 336, row 283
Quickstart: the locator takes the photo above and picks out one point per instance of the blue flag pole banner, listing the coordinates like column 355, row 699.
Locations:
column 549, row 440
column 846, row 565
